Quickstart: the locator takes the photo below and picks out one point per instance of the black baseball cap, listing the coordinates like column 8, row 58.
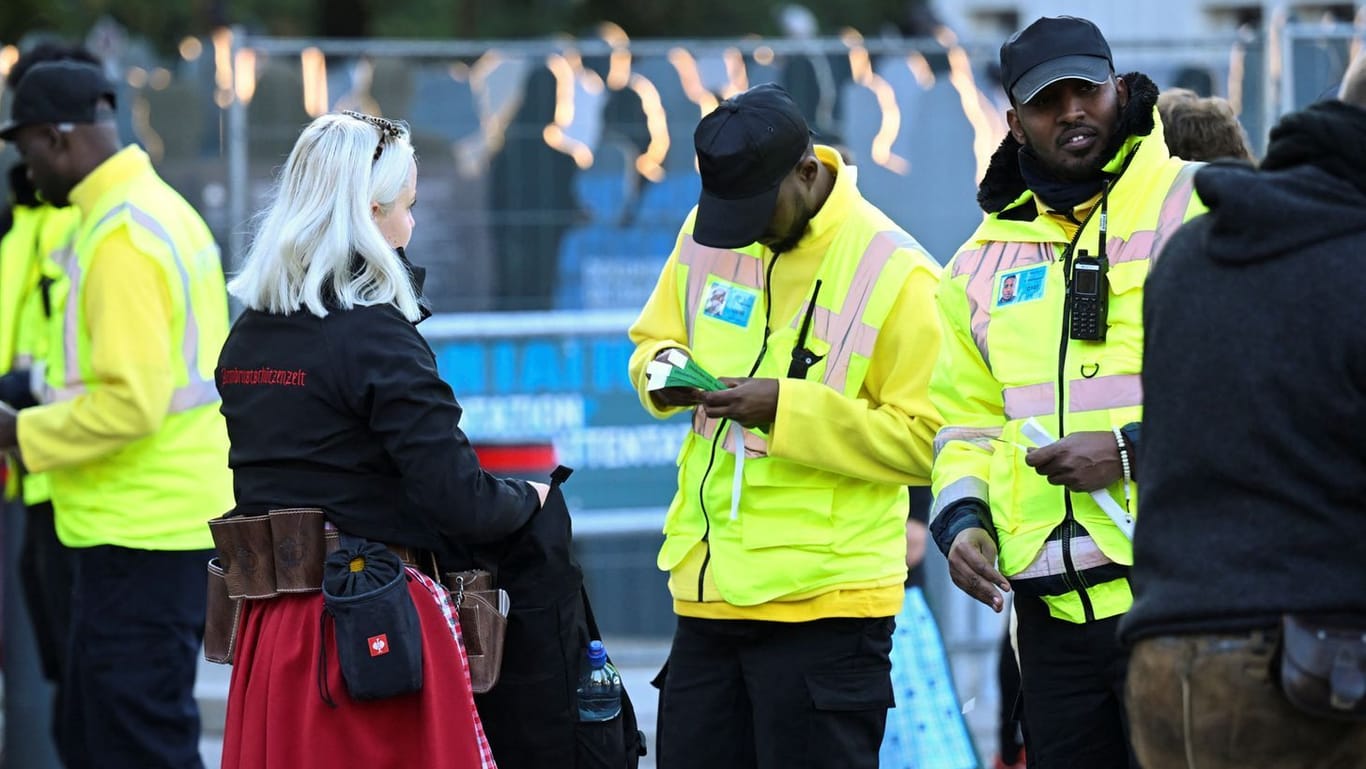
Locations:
column 57, row 92
column 745, row 148
column 1053, row 48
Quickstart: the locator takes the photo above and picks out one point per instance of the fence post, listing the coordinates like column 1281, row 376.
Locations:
column 238, row 182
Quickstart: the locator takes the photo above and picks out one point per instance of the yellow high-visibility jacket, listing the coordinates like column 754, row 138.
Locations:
column 38, row 237
column 1005, row 359
column 129, row 430
column 815, row 525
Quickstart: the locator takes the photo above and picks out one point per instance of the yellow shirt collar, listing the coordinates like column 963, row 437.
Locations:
column 119, row 168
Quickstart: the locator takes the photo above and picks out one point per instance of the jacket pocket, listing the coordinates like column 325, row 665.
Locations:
column 1007, row 462
column 1127, row 276
column 1124, row 342
column 784, row 504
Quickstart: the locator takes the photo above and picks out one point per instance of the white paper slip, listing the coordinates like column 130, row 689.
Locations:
column 657, row 372
column 1035, row 432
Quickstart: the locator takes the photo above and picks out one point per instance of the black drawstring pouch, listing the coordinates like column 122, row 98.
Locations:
column 378, row 634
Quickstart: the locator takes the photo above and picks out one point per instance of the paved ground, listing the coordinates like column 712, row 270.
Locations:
column 638, row 662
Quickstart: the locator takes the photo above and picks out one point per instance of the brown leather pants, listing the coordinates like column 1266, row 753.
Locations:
column 1212, row 702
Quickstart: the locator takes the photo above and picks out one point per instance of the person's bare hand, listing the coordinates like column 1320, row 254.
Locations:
column 916, row 534
column 751, row 402
column 1081, row 461
column 972, row 565
column 542, row 490
column 674, row 397
column 671, row 397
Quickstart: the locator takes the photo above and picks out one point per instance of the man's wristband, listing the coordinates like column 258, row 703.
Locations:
column 959, row 517
column 14, row 389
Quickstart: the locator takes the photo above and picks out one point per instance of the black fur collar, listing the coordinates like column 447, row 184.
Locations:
column 1003, row 183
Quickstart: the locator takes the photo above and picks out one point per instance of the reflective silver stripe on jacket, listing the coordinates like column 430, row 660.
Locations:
column 980, row 437
column 1049, row 562
column 963, row 488
column 197, row 391
column 1095, row 394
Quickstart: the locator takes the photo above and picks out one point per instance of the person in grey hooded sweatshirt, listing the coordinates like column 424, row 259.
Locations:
column 1254, row 464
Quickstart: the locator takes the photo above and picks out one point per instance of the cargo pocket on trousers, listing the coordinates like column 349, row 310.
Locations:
column 849, row 713
column 851, row 690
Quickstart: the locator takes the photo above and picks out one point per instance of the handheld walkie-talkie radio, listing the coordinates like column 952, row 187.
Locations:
column 1089, row 296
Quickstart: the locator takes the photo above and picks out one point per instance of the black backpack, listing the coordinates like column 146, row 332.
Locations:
column 531, row 716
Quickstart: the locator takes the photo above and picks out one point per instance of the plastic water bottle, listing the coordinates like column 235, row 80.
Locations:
column 599, row 686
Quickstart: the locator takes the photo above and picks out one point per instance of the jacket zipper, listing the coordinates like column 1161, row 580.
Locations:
column 720, row 435
column 702, row 501
column 1069, row 525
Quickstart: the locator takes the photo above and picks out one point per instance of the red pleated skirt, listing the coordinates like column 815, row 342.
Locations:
column 277, row 718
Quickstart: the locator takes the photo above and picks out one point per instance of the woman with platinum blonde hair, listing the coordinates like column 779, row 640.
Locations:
column 339, row 422
column 330, row 215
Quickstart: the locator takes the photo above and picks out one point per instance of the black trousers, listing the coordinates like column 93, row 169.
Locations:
column 1009, row 733
column 746, row 694
column 1072, row 681
column 45, row 567
column 137, row 622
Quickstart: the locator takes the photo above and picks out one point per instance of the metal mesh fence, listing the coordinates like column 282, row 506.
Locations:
column 554, row 174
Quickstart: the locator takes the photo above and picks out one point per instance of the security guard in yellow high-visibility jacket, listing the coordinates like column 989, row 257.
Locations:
column 127, row 427
column 32, row 236
column 1042, row 311
column 786, row 540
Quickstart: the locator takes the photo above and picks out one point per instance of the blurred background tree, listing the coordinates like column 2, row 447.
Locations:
column 164, row 24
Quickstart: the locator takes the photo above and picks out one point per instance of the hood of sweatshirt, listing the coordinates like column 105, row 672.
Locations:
column 1310, row 189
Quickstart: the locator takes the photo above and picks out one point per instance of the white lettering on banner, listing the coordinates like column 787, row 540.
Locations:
column 612, row 282
column 561, row 419
column 614, row 448
column 521, row 416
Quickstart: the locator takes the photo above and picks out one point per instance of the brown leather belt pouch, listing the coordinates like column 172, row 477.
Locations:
column 282, row 553
column 266, row 555
column 482, row 609
column 246, row 553
column 221, row 621
column 259, row 557
column 300, row 548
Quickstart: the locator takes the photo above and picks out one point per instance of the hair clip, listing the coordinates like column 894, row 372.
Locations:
column 388, row 129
